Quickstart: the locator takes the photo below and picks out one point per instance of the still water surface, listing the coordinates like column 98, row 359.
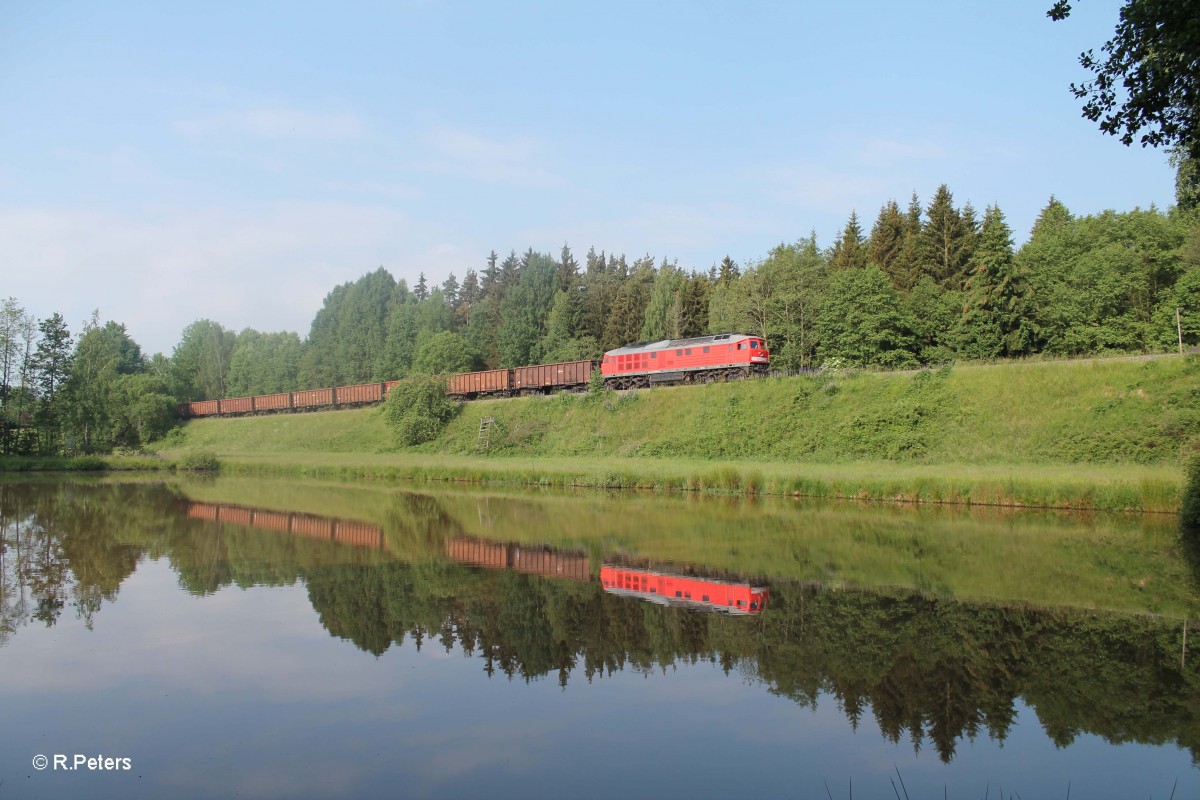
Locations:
column 247, row 638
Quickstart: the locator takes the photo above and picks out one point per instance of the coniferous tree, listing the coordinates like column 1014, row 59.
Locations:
column 468, row 297
column 694, row 321
column 971, row 227
column 596, row 264
column 997, row 317
column 887, row 240
column 491, row 275
column 566, row 336
column 906, row 268
column 450, row 290
column 568, row 269
column 52, row 359
column 728, row 272
column 510, row 271
column 944, row 241
column 849, row 251
column 52, row 365
column 598, row 301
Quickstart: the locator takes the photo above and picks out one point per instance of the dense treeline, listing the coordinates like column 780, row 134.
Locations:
column 926, row 284
column 93, row 394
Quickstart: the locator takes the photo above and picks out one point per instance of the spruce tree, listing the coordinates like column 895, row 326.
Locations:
column 491, row 274
column 568, row 269
column 887, row 240
column 729, row 271
column 450, row 290
column 907, row 266
column 849, row 251
column 944, row 241
column 997, row 315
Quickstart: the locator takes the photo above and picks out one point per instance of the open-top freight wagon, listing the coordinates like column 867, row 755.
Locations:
column 303, row 400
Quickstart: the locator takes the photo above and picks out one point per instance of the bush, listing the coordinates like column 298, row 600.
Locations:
column 1189, row 509
column 418, row 409
column 200, row 461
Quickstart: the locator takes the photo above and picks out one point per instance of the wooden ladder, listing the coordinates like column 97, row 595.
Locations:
column 485, row 433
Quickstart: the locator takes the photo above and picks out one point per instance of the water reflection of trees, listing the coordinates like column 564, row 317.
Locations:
column 929, row 671
column 57, row 549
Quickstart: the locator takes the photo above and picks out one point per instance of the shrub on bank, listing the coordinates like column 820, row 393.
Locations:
column 1189, row 509
column 200, row 461
column 418, row 409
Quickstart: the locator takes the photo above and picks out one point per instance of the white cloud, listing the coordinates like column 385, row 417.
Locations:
column 518, row 161
column 815, row 187
column 274, row 124
column 267, row 268
column 885, row 152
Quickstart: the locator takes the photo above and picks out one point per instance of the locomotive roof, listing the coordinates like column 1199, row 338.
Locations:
column 666, row 344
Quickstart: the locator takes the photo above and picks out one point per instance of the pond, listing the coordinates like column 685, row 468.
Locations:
column 269, row 638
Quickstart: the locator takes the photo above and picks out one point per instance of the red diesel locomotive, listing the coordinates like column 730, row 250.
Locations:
column 700, row 359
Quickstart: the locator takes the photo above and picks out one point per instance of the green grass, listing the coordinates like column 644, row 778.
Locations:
column 1097, row 434
column 84, row 463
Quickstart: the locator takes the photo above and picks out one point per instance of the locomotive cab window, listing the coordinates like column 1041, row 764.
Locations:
column 741, row 345
column 753, row 345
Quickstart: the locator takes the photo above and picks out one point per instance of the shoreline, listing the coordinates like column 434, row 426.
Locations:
column 1074, row 487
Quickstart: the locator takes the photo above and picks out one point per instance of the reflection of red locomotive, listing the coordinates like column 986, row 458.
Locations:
column 684, row 590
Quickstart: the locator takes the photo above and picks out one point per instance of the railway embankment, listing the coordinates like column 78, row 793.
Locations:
column 1110, row 435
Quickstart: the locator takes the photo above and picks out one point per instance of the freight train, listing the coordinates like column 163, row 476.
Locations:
column 699, row 359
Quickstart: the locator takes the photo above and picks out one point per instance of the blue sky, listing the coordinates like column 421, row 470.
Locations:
column 165, row 162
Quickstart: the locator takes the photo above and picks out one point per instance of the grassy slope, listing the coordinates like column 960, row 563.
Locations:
column 1102, row 434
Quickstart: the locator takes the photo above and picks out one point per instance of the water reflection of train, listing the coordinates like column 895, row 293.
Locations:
column 654, row 585
column 686, row 591
column 308, row 526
